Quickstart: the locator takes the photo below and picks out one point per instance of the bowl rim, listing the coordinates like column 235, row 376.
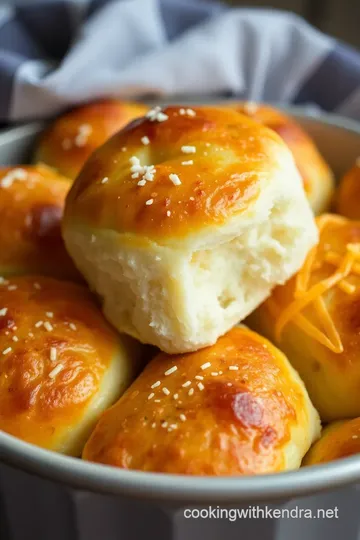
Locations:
column 105, row 479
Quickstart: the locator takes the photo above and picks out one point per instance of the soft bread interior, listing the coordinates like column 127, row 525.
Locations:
column 183, row 295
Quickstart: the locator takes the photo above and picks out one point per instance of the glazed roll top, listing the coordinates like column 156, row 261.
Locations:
column 184, row 221
column 314, row 319
column 32, row 199
column 338, row 440
column 73, row 137
column 316, row 174
column 234, row 408
column 61, row 364
column 348, row 194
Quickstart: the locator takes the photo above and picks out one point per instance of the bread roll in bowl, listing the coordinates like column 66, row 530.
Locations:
column 348, row 194
column 315, row 319
column 316, row 174
column 235, row 408
column 73, row 137
column 32, row 199
column 61, row 364
column 189, row 229
column 338, row 440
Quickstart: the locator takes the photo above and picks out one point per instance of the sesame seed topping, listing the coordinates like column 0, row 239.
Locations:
column 3, row 311
column 156, row 400
column 84, row 131
column 175, row 179
column 150, row 396
column 156, row 384
column 190, row 112
column 192, row 198
column 220, row 372
column 38, row 324
column 6, row 351
column 11, row 176
column 190, row 392
column 214, row 373
column 153, row 424
column 93, row 238
column 53, row 354
column 3, row 281
column 49, row 314
column 205, row 366
column 145, row 140
column 30, row 334
column 233, row 368
column 207, row 144
column 170, row 371
column 164, row 424
column 48, row 326
column 55, row 371
column 156, row 115
column 104, row 180
column 173, row 426
column 200, row 386
column 168, row 213
column 37, row 286
column 141, row 182
column 187, row 383
column 250, row 107
column 123, row 149
column 166, row 391
column 199, row 377
column 182, row 417
column 15, row 338
column 149, row 202
column 188, row 149
column 354, row 436
column 12, row 287
column 72, row 326
column 189, row 162
column 176, row 396
column 229, row 384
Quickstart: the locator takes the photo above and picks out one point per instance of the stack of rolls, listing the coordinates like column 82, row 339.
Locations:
column 183, row 223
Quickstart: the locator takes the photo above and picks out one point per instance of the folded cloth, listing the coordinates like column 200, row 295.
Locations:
column 59, row 53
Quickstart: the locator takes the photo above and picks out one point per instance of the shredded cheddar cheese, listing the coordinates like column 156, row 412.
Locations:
column 305, row 295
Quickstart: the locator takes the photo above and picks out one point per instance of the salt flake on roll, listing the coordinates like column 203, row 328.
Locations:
column 180, row 272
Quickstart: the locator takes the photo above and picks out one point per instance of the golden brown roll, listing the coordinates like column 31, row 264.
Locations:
column 316, row 174
column 232, row 409
column 347, row 200
column 189, row 229
column 315, row 319
column 61, row 364
column 338, row 440
column 73, row 137
column 32, row 199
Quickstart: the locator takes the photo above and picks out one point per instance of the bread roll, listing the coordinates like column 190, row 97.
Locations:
column 347, row 200
column 73, row 137
column 315, row 319
column 31, row 206
column 317, row 176
column 338, row 440
column 234, row 408
column 61, row 364
column 189, row 229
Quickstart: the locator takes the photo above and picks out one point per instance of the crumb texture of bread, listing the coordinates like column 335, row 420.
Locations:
column 236, row 408
column 179, row 281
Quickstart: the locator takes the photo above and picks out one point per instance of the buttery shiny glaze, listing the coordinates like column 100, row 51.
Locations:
column 31, row 208
column 35, row 406
column 338, row 440
column 234, row 158
column 348, row 194
column 62, row 146
column 332, row 379
column 313, row 169
column 236, row 422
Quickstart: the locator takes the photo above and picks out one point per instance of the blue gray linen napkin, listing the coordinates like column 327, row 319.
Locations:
column 63, row 52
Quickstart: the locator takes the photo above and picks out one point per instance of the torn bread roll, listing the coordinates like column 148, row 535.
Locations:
column 187, row 231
